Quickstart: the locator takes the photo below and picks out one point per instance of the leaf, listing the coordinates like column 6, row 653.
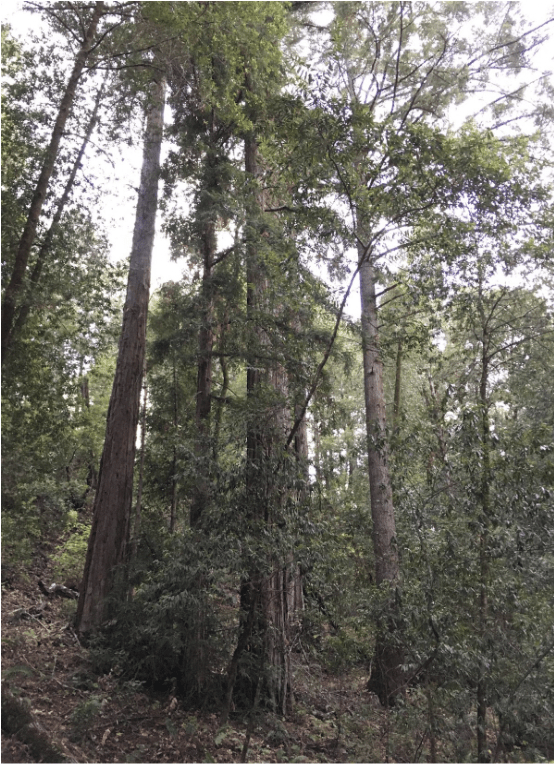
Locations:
column 170, row 726
column 220, row 736
column 16, row 670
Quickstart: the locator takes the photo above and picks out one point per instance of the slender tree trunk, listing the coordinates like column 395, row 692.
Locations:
column 16, row 283
column 24, row 310
column 397, row 388
column 112, row 507
column 140, row 483
column 174, row 483
column 224, row 386
column 301, row 451
column 92, row 474
column 483, row 754
column 202, row 493
column 387, row 678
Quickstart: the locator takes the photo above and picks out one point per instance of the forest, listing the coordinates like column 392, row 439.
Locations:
column 297, row 505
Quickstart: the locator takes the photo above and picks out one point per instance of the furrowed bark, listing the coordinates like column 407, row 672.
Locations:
column 112, row 506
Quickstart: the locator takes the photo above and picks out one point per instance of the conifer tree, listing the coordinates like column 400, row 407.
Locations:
column 112, row 504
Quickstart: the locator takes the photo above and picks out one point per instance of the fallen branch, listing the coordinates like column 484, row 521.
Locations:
column 57, row 590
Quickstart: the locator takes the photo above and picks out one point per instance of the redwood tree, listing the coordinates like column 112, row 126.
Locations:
column 112, row 506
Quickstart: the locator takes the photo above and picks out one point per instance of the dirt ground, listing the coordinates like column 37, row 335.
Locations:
column 101, row 719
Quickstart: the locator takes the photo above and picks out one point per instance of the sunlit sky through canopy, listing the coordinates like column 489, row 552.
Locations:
column 120, row 198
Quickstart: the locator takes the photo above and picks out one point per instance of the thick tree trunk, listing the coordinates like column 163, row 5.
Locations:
column 268, row 594
column 112, row 507
column 387, row 678
column 16, row 283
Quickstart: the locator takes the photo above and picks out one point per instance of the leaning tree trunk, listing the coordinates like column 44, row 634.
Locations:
column 16, row 283
column 112, row 506
column 44, row 251
column 387, row 678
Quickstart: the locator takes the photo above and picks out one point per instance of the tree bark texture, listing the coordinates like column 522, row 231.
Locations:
column 382, row 509
column 268, row 595
column 387, row 678
column 16, row 283
column 112, row 507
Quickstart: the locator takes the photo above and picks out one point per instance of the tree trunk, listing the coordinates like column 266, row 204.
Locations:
column 17, row 279
column 483, row 755
column 397, row 389
column 267, row 597
column 174, row 482
column 387, row 678
column 138, row 507
column 25, row 308
column 112, row 506
column 202, row 492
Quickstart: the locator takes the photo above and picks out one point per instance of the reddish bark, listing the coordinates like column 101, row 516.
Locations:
column 112, row 506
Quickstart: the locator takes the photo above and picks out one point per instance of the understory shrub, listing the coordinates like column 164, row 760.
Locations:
column 178, row 629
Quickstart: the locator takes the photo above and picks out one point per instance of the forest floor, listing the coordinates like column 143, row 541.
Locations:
column 102, row 719
column 51, row 694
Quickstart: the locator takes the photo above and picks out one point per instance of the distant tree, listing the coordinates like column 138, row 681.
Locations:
column 374, row 103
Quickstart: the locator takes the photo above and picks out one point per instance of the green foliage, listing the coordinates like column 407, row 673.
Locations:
column 70, row 555
column 84, row 717
column 362, row 131
column 178, row 630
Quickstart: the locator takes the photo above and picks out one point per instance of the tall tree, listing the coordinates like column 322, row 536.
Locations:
column 46, row 244
column 382, row 93
column 16, row 282
column 112, row 505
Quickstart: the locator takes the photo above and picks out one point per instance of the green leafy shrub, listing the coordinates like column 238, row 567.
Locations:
column 70, row 555
column 84, row 717
column 179, row 629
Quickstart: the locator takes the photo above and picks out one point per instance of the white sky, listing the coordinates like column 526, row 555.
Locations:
column 120, row 202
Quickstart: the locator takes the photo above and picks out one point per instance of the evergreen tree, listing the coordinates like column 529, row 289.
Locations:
column 112, row 504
